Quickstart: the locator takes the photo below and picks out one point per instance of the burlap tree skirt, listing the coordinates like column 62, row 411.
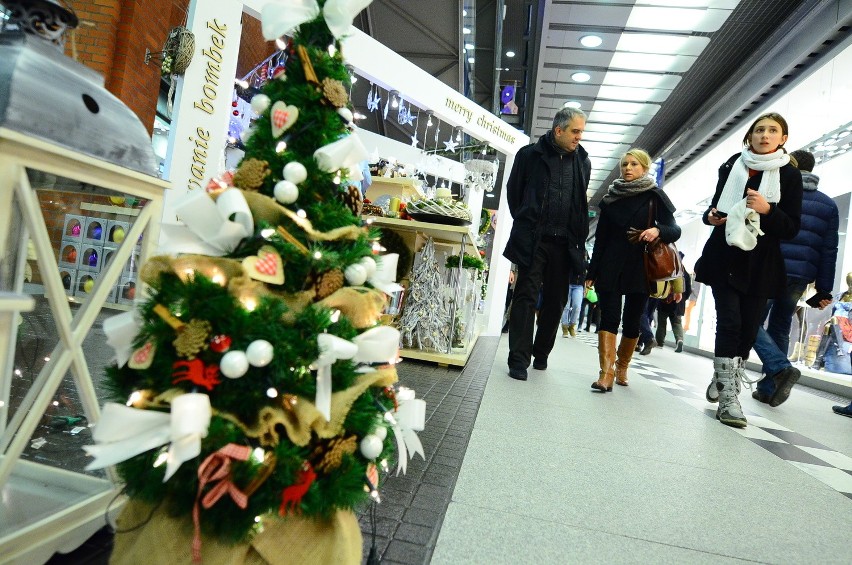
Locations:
column 291, row 540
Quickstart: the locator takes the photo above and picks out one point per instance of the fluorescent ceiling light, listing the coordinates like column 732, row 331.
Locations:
column 660, row 43
column 468, row 45
column 572, row 104
column 603, row 148
column 581, row 77
column 510, row 54
column 465, row 30
column 642, row 80
column 625, row 107
column 636, row 94
column 470, row 60
column 606, row 137
column 676, row 19
column 728, row 4
column 612, row 128
column 590, row 40
column 651, row 62
column 616, row 118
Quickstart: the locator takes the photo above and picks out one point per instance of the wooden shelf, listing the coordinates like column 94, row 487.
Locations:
column 403, row 187
column 454, row 359
column 107, row 209
column 439, row 232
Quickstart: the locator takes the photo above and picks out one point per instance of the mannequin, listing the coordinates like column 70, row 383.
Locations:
column 847, row 296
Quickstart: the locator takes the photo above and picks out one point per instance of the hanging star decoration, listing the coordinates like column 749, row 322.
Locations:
column 414, row 140
column 450, row 145
column 372, row 101
column 409, row 118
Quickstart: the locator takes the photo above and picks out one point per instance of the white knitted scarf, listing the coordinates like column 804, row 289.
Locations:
column 770, row 182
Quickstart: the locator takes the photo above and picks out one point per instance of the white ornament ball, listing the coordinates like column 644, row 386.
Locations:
column 286, row 192
column 355, row 274
column 295, row 172
column 234, row 364
column 370, row 264
column 345, row 113
column 246, row 134
column 259, row 353
column 381, row 432
column 260, row 103
column 371, row 446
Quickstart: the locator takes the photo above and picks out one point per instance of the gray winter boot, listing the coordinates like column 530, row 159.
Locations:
column 712, row 394
column 727, row 376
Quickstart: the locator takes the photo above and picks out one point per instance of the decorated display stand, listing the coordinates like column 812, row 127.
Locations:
column 47, row 505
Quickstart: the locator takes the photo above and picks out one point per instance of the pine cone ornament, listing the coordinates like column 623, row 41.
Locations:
column 328, row 283
column 192, row 339
column 251, row 174
column 334, row 92
column 353, row 199
column 328, row 456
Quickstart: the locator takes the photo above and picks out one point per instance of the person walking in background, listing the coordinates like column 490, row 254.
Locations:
column 646, row 332
column 571, row 313
column 743, row 268
column 809, row 257
column 691, row 302
column 546, row 193
column 617, row 269
column 669, row 311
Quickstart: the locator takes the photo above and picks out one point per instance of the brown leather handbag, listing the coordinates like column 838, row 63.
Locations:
column 662, row 260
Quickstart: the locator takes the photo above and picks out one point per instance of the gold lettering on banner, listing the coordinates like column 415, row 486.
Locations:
column 493, row 126
column 212, row 58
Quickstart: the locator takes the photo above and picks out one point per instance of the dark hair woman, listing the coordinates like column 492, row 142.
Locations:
column 758, row 202
column 617, row 269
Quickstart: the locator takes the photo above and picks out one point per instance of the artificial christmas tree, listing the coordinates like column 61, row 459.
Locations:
column 248, row 414
column 425, row 321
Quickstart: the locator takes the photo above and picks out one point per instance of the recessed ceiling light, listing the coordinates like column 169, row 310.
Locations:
column 465, row 30
column 470, row 60
column 510, row 54
column 581, row 77
column 468, row 45
column 591, row 40
column 572, row 104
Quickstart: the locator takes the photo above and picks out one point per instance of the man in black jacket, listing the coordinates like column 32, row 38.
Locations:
column 546, row 192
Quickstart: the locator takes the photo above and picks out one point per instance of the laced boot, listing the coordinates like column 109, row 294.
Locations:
column 727, row 375
column 564, row 330
column 606, row 357
column 712, row 394
column 625, row 353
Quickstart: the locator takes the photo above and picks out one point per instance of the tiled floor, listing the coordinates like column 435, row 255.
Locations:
column 546, row 471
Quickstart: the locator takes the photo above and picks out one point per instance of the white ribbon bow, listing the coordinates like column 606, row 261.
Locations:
column 345, row 153
column 376, row 345
column 283, row 16
column 384, row 278
column 410, row 417
column 124, row 432
column 209, row 229
column 120, row 331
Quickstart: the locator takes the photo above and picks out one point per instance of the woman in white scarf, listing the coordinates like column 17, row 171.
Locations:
column 758, row 202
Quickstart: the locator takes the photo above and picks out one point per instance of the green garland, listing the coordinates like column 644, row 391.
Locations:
column 469, row 262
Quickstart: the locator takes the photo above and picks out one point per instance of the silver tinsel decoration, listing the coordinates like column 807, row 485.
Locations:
column 425, row 321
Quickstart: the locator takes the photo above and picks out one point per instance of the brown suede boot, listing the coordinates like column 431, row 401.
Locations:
column 606, row 356
column 626, row 347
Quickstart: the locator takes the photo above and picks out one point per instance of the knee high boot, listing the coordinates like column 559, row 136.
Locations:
column 606, row 357
column 625, row 353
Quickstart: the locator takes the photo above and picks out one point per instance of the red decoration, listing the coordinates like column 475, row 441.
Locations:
column 220, row 343
column 236, row 112
column 278, row 71
column 234, row 103
column 291, row 497
column 390, row 393
column 195, row 372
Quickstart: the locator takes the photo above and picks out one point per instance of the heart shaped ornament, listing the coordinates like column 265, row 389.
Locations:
column 266, row 266
column 282, row 117
column 143, row 357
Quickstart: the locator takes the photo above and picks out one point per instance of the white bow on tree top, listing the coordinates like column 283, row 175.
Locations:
column 283, row 16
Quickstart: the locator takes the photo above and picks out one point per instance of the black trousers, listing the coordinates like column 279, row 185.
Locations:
column 738, row 316
column 549, row 272
column 609, row 304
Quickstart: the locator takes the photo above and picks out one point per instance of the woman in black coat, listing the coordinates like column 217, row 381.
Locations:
column 617, row 268
column 742, row 265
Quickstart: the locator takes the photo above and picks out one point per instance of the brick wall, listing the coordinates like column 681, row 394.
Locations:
column 114, row 35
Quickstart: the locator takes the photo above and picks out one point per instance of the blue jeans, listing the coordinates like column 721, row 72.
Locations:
column 571, row 313
column 773, row 342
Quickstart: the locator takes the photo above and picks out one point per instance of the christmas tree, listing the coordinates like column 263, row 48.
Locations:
column 253, row 386
column 425, row 321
